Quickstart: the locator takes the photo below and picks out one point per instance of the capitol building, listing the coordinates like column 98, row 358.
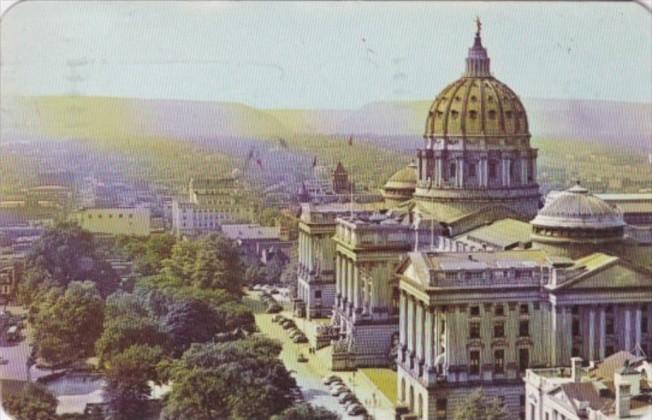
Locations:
column 466, row 278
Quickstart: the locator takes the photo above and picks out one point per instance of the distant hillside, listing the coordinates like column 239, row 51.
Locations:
column 615, row 123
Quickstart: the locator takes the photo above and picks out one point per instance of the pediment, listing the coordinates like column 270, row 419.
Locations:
column 617, row 276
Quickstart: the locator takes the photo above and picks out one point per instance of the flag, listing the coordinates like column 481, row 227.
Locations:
column 314, row 162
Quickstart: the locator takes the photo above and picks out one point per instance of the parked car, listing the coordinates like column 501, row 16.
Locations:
column 301, row 358
column 338, row 390
column 278, row 318
column 299, row 339
column 274, row 291
column 287, row 324
column 274, row 308
column 346, row 397
column 294, row 332
column 331, row 379
column 356, row 410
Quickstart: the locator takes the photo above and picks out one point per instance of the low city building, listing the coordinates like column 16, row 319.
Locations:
column 480, row 319
column 316, row 265
column 11, row 273
column 616, row 388
column 368, row 251
column 115, row 220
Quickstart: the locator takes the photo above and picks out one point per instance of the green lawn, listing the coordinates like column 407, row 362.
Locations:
column 384, row 379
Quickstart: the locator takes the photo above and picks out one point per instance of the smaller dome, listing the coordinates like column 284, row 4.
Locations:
column 405, row 178
column 577, row 208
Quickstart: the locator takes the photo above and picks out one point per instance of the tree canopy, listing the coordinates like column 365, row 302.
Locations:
column 66, row 325
column 305, row 411
column 34, row 402
column 477, row 406
column 221, row 381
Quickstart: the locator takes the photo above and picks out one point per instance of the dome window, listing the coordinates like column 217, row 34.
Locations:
column 454, row 114
column 474, row 98
column 490, row 98
column 440, row 113
column 457, row 98
column 430, row 113
column 492, row 114
column 473, row 114
column 508, row 114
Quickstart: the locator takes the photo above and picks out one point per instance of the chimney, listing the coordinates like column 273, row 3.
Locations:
column 576, row 367
column 623, row 398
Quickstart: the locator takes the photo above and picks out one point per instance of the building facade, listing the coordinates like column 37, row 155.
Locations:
column 481, row 319
column 316, row 256
column 210, row 204
column 477, row 151
column 368, row 251
column 116, row 220
column 615, row 388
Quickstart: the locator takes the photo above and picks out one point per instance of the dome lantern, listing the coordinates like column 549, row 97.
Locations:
column 477, row 62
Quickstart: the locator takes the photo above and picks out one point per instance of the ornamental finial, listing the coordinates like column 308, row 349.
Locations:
column 478, row 25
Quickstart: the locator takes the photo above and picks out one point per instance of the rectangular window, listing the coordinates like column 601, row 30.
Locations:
column 609, row 327
column 441, row 409
column 474, row 358
column 524, row 328
column 453, row 170
column 644, row 326
column 576, row 327
column 499, row 310
column 499, row 329
column 474, row 329
column 317, row 294
column 524, row 310
column 523, row 359
column 472, row 169
column 475, row 311
column 492, row 169
column 499, row 361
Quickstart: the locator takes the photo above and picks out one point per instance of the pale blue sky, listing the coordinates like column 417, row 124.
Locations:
column 294, row 55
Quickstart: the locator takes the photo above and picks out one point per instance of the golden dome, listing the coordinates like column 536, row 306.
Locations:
column 477, row 104
column 403, row 179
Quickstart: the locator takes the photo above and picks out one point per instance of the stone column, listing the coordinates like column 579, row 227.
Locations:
column 637, row 328
column 628, row 329
column 410, row 324
column 428, row 339
column 338, row 277
column 402, row 329
column 460, row 171
column 440, row 171
column 357, row 286
column 524, row 174
column 436, row 345
column 349, row 276
column 603, row 338
column 419, row 331
column 591, row 334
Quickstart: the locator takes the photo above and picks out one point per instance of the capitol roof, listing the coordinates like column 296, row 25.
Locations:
column 477, row 104
column 405, row 178
column 577, row 208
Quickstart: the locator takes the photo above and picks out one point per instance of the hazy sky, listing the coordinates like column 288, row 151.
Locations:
column 321, row 55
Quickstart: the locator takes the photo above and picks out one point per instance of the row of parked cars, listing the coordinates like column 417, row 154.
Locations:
column 273, row 307
column 345, row 396
column 294, row 333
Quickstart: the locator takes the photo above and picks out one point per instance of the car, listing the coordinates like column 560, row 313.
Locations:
column 331, row 379
column 274, row 308
column 301, row 358
column 300, row 339
column 287, row 324
column 338, row 390
column 278, row 318
column 274, row 291
column 356, row 410
column 346, row 397
column 294, row 332
column 349, row 403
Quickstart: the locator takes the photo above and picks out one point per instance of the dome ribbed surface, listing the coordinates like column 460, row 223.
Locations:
column 575, row 207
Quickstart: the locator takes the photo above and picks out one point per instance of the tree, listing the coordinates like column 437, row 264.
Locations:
column 218, row 265
column 34, row 402
column 477, row 406
column 122, row 303
column 234, row 315
column 220, row 380
column 67, row 253
column 66, row 327
column 305, row 411
column 191, row 321
column 125, row 331
column 128, row 379
column 274, row 268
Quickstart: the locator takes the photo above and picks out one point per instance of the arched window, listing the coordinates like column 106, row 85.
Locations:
column 403, row 389
column 420, row 407
column 411, row 402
